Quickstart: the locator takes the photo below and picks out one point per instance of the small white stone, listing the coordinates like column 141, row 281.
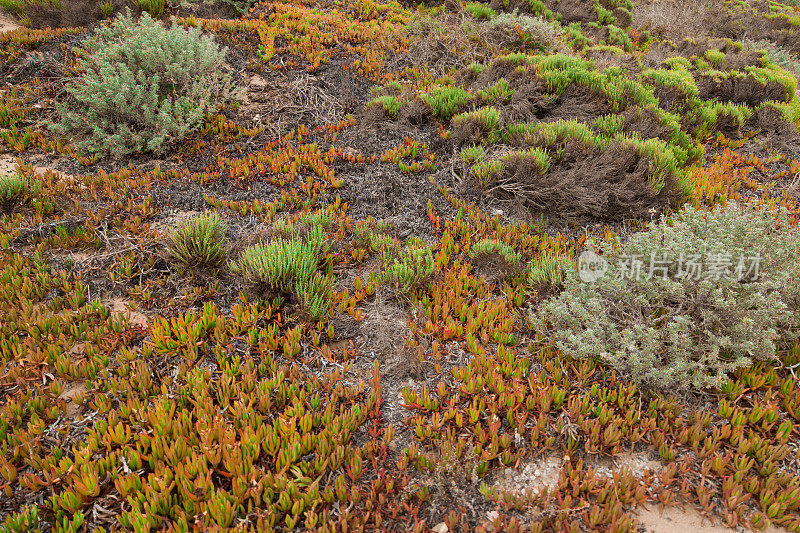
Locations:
column 441, row 527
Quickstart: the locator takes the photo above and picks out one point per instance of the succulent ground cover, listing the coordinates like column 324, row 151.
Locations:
column 347, row 298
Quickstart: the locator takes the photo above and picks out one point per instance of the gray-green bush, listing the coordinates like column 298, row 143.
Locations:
column 677, row 325
column 142, row 86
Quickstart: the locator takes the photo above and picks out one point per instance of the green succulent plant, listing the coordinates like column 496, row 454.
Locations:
column 198, row 242
column 17, row 190
column 290, row 266
column 411, row 269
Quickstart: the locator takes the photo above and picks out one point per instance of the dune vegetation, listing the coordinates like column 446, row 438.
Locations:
column 345, row 265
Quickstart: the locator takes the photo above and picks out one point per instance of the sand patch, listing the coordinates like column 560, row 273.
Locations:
column 75, row 388
column 7, row 23
column 687, row 520
column 121, row 306
column 532, row 477
column 638, row 463
column 8, row 165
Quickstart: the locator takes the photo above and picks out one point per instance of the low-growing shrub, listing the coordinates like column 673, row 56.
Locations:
column 492, row 246
column 523, row 32
column 688, row 301
column 549, row 269
column 198, row 242
column 242, row 6
column 290, row 266
column 17, row 190
column 411, row 269
column 143, row 86
column 777, row 54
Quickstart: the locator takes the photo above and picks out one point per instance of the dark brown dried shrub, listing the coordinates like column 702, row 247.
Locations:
column 645, row 123
column 573, row 10
column 738, row 89
column 416, row 112
column 580, row 104
column 586, row 182
column 623, row 16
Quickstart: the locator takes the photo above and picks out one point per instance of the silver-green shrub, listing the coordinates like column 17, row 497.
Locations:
column 142, row 86
column 675, row 326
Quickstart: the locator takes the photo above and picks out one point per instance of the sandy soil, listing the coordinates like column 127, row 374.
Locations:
column 7, row 23
column 687, row 520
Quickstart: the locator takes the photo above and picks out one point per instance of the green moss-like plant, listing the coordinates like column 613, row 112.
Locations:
column 499, row 92
column 479, row 11
column 549, row 269
column 487, row 118
column 487, row 173
column 610, row 125
column 473, row 154
column 390, row 104
column 493, row 246
column 446, row 101
column 411, row 269
column 290, row 266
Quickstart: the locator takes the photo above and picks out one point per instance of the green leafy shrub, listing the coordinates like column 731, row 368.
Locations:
column 143, row 86
column 663, row 321
column 198, row 242
column 290, row 266
column 17, row 190
column 409, row 271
